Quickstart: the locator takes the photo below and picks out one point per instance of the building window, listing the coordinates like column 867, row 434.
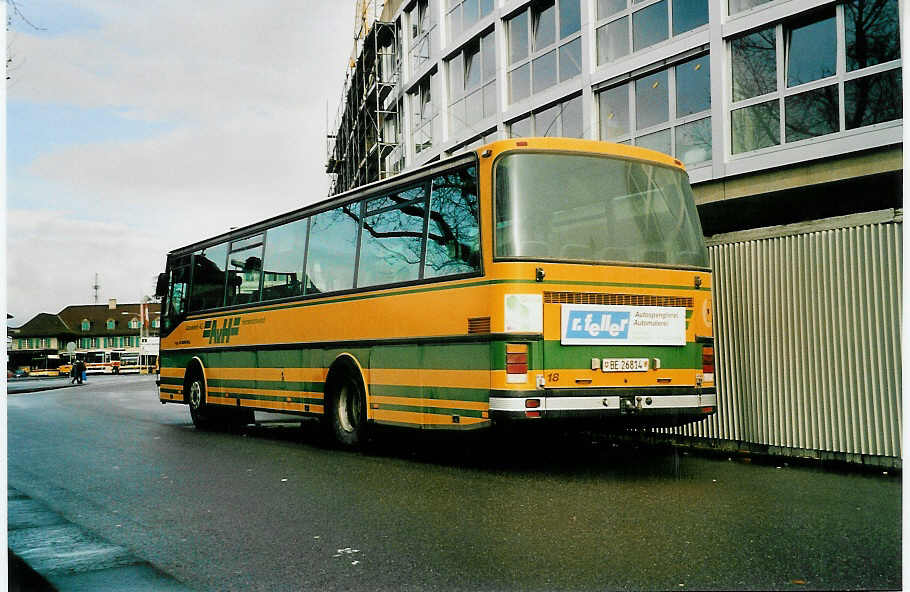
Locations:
column 825, row 87
column 110, row 324
column 737, row 6
column 668, row 111
column 464, row 13
column 156, row 323
column 626, row 26
column 472, row 84
column 563, row 119
column 423, row 31
column 544, row 47
column 86, row 325
column 475, row 142
column 134, row 323
column 425, row 112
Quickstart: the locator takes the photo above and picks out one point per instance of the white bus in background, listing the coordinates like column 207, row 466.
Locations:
column 99, row 361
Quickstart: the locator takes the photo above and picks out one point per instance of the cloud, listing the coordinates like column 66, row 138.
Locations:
column 52, row 257
column 235, row 97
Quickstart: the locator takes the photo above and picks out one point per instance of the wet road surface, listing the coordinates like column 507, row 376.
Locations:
column 275, row 509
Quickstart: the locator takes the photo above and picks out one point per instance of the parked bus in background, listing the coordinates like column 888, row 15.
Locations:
column 48, row 365
column 99, row 361
column 531, row 280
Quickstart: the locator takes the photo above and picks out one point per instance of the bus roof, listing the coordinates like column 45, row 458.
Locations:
column 577, row 145
column 494, row 148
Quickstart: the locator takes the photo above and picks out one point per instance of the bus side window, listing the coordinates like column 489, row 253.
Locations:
column 244, row 270
column 208, row 278
column 177, row 296
column 391, row 243
column 454, row 233
column 285, row 247
column 331, row 250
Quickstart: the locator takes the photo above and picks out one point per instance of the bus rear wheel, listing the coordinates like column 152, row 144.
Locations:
column 348, row 413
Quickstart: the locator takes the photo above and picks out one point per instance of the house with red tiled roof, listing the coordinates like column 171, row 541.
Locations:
column 90, row 327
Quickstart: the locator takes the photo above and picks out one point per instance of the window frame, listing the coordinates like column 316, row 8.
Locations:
column 533, row 115
column 628, row 12
column 673, row 120
column 453, row 6
column 462, row 94
column 534, row 53
column 420, row 121
column 840, row 79
column 422, row 26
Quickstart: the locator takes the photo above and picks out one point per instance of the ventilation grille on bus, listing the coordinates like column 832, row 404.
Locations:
column 623, row 299
column 479, row 325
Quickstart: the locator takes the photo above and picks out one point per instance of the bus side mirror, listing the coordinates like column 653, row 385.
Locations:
column 161, row 286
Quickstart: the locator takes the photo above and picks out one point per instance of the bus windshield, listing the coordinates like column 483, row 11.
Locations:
column 571, row 207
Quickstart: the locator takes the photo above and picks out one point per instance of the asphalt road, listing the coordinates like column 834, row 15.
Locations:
column 275, row 509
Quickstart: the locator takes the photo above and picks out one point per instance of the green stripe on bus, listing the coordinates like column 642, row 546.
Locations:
column 282, row 399
column 443, row 356
column 433, row 410
column 470, row 356
column 431, row 392
column 454, row 356
column 561, row 356
column 271, row 385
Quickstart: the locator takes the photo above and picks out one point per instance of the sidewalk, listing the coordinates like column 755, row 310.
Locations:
column 48, row 552
column 31, row 385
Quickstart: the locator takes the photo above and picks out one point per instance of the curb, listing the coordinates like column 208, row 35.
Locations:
column 52, row 553
column 36, row 389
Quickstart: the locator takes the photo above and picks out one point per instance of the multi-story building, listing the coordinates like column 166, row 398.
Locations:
column 90, row 327
column 788, row 116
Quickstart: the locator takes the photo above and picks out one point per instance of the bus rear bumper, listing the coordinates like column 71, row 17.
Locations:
column 639, row 406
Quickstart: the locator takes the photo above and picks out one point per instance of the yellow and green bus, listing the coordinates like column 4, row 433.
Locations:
column 530, row 280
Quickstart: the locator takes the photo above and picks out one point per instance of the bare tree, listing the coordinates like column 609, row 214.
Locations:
column 14, row 13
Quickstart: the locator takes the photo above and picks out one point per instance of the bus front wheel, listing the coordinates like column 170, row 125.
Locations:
column 348, row 413
column 196, row 400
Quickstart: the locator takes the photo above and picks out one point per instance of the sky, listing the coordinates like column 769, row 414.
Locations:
column 134, row 128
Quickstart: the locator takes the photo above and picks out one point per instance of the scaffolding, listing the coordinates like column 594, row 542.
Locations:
column 366, row 144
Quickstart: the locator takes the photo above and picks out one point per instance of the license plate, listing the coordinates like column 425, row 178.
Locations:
column 625, row 364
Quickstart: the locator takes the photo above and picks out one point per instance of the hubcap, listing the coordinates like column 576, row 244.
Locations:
column 195, row 395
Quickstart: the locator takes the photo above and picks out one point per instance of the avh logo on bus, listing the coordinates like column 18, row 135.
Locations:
column 228, row 328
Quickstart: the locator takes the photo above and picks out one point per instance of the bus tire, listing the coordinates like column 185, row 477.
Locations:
column 200, row 413
column 347, row 411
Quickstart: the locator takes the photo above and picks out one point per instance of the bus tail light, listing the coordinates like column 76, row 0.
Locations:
column 516, row 362
column 707, row 363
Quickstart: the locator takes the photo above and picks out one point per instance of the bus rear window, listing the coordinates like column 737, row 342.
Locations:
column 568, row 207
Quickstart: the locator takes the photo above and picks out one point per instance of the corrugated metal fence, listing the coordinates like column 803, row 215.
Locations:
column 808, row 338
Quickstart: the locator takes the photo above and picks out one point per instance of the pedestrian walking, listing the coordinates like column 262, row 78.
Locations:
column 73, row 370
column 79, row 368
